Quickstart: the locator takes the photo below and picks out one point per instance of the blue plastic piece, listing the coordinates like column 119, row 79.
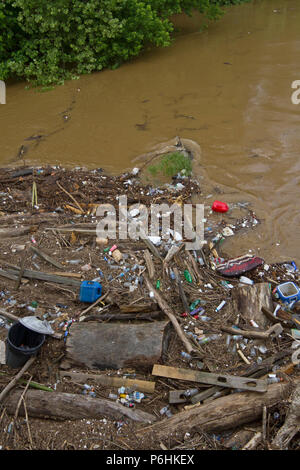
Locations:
column 90, row 291
column 288, row 292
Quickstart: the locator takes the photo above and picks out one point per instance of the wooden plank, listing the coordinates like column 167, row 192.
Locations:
column 41, row 276
column 46, row 257
column 224, row 380
column 109, row 381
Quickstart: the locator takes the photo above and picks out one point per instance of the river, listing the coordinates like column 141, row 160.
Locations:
column 228, row 89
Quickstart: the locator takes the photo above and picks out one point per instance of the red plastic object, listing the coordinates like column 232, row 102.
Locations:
column 219, row 206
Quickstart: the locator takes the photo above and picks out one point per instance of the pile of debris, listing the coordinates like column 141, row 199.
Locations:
column 201, row 348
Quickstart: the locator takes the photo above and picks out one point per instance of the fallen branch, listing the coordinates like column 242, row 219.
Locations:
column 14, row 381
column 70, row 195
column 275, row 330
column 167, row 310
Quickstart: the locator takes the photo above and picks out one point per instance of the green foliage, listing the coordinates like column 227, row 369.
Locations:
column 46, row 42
column 172, row 164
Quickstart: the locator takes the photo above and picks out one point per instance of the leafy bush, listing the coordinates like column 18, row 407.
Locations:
column 172, row 164
column 49, row 41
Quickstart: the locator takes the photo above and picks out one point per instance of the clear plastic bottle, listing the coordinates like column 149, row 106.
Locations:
column 207, row 339
column 185, row 355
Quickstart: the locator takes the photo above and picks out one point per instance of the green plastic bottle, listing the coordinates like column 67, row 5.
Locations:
column 188, row 276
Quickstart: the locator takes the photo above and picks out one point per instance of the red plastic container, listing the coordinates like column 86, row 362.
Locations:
column 219, row 206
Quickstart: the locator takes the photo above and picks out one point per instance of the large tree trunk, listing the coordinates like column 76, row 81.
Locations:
column 221, row 414
column 41, row 404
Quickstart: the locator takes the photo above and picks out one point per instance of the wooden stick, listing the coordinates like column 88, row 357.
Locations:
column 264, row 424
column 253, row 334
column 46, row 257
column 149, row 263
column 167, row 310
column 109, row 381
column 14, row 381
column 70, row 195
column 19, row 403
column 181, row 291
column 22, row 267
column 94, row 304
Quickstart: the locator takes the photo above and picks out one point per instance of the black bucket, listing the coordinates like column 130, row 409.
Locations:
column 22, row 343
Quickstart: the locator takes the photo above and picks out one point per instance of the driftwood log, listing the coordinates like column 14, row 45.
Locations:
column 70, row 406
column 115, row 345
column 249, row 300
column 223, row 413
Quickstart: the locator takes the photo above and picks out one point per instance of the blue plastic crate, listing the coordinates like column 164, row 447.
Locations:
column 288, row 292
column 90, row 291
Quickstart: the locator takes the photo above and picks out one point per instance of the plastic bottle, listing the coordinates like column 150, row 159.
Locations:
column 207, row 339
column 191, row 392
column 198, row 310
column 187, row 276
column 185, row 355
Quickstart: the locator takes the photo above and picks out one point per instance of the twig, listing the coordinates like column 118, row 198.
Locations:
column 27, row 422
column 13, row 382
column 23, row 394
column 94, row 304
column 70, row 195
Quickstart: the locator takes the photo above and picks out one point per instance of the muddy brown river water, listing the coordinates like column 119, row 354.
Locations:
column 228, row 89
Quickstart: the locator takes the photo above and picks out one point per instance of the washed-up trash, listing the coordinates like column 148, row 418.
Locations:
column 117, row 255
column 185, row 355
column 288, row 292
column 166, row 411
column 237, row 266
column 90, row 291
column 220, row 306
column 219, row 206
column 188, row 276
column 246, row 280
column 227, row 232
column 86, row 267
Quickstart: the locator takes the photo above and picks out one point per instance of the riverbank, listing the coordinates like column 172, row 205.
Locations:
column 51, row 230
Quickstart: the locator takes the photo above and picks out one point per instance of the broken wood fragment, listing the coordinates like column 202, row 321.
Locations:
column 111, row 381
column 149, row 264
column 46, row 257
